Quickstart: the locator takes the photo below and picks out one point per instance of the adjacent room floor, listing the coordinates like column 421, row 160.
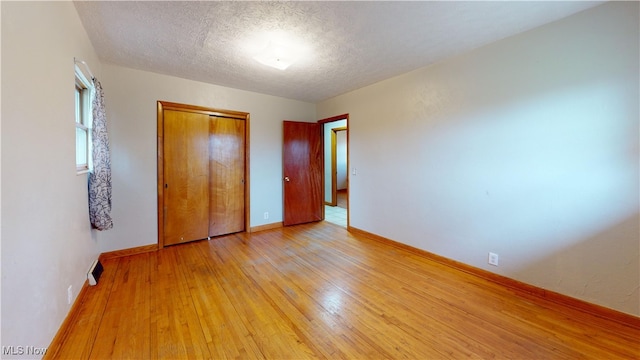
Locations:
column 337, row 214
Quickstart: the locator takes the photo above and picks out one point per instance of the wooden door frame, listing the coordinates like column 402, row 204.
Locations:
column 334, row 164
column 166, row 105
column 328, row 120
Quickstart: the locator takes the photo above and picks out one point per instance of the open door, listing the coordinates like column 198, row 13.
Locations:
column 302, row 172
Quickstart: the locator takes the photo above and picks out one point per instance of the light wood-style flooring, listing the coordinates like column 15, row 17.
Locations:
column 317, row 291
column 342, row 198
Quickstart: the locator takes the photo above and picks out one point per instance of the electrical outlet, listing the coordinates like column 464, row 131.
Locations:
column 493, row 259
column 266, row 215
column 69, row 294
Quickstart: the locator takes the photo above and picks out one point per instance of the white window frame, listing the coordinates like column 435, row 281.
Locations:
column 83, row 118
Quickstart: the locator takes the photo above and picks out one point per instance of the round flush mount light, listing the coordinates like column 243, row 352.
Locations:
column 277, row 55
column 276, row 49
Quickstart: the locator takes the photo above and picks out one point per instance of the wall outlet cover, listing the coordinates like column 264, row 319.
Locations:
column 493, row 259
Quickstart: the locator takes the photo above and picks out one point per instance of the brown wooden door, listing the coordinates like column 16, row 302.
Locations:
column 186, row 176
column 302, row 167
column 226, row 164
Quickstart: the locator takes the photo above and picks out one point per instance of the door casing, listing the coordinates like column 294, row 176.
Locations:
column 334, row 165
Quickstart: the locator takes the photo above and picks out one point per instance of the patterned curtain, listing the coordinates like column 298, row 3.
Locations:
column 100, row 177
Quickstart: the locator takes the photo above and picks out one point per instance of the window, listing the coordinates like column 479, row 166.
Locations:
column 83, row 122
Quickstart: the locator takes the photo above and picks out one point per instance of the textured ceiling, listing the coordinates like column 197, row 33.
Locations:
column 349, row 44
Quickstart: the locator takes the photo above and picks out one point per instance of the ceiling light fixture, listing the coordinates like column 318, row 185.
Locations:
column 277, row 55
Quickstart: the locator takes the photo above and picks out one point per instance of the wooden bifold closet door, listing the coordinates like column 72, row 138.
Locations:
column 201, row 173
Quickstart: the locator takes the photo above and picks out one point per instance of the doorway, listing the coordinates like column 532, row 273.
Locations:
column 336, row 177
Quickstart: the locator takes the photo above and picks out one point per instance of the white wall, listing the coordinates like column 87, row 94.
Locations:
column 327, row 155
column 47, row 242
column 131, row 97
column 527, row 147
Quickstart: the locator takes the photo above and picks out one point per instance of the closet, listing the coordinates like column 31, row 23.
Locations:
column 202, row 172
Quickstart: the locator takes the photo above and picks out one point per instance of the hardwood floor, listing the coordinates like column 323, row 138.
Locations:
column 342, row 198
column 317, row 291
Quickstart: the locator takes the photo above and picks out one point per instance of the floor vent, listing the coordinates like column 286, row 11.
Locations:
column 94, row 272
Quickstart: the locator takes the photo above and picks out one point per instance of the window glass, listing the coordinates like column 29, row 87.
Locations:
column 81, row 147
column 83, row 122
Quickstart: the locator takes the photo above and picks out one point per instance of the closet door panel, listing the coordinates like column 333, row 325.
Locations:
column 226, row 179
column 186, row 176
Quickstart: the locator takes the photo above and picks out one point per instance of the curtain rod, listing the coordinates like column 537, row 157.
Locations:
column 76, row 61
